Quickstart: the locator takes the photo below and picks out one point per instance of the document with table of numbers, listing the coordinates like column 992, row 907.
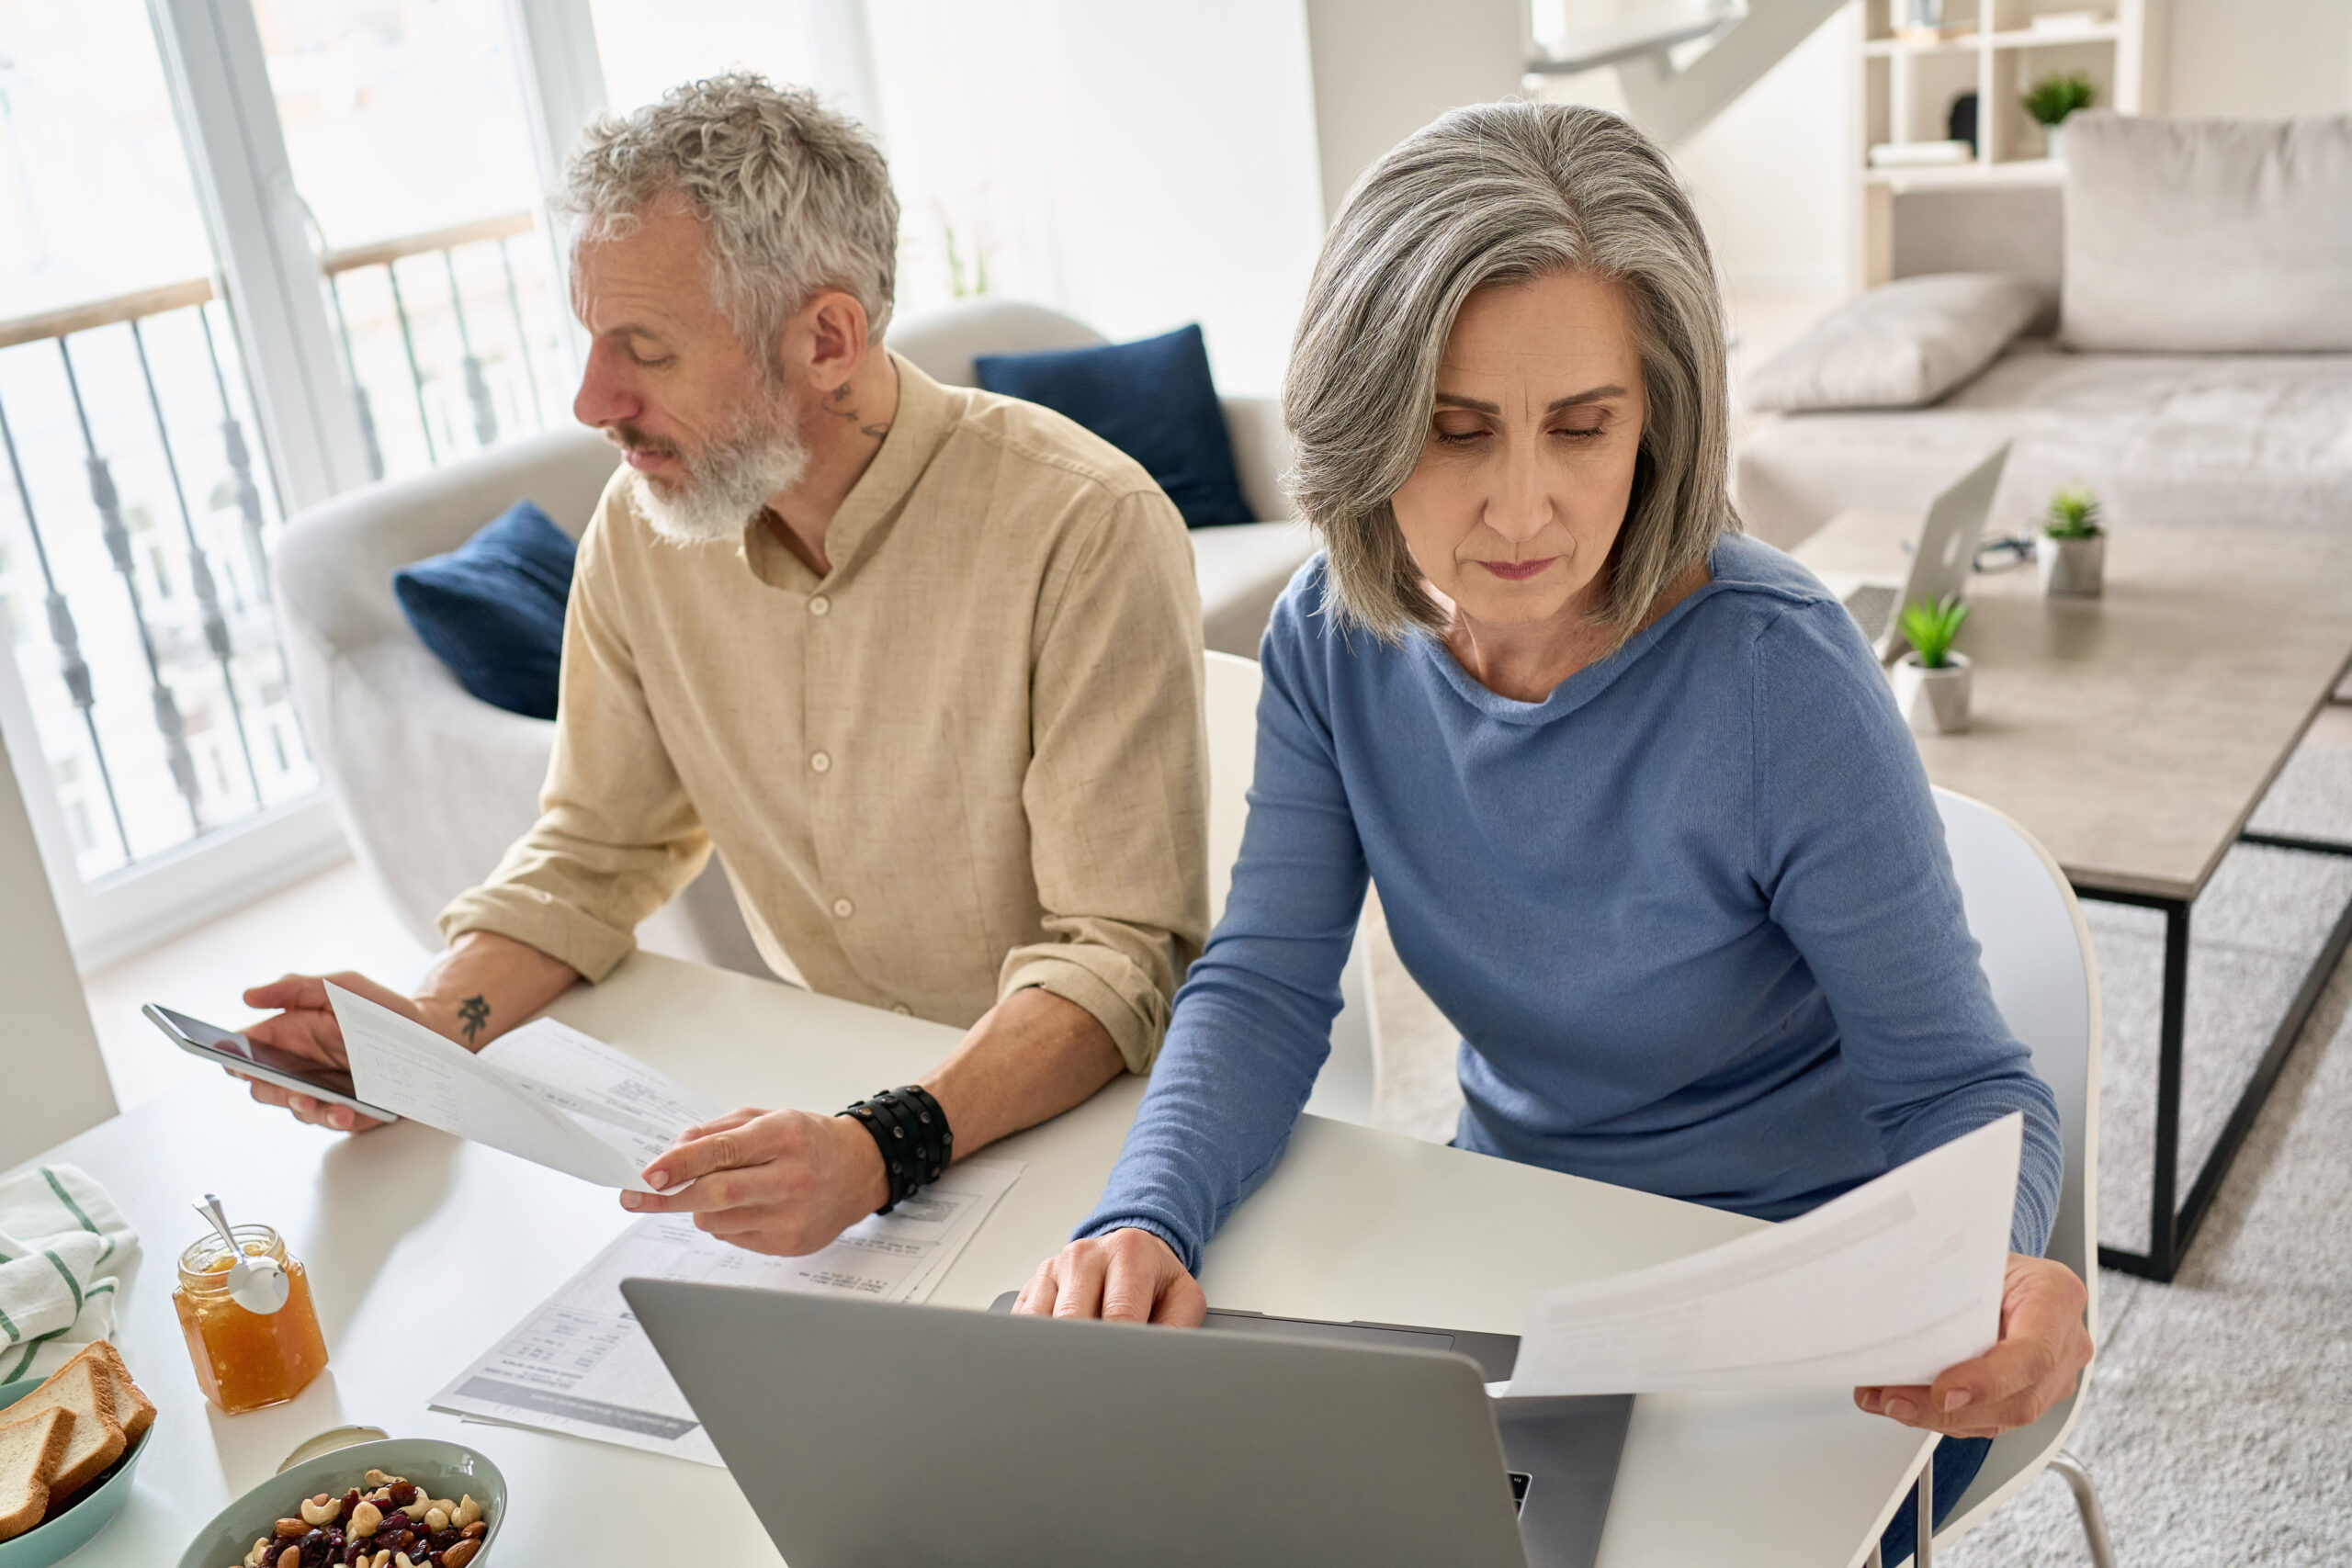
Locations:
column 581, row 1365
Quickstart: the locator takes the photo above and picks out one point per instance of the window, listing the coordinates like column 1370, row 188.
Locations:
column 412, row 159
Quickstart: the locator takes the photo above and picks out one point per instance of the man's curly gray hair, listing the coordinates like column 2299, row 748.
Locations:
column 1493, row 194
column 797, row 198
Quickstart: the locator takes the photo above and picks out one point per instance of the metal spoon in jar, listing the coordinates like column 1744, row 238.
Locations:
column 255, row 1283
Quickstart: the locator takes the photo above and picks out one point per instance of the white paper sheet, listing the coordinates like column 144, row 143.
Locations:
column 1890, row 1284
column 580, row 1364
column 599, row 1115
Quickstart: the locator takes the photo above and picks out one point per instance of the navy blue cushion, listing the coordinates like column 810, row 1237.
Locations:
column 492, row 609
column 1151, row 399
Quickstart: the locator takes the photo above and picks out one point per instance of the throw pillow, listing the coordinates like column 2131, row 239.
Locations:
column 2208, row 236
column 1151, row 399
column 492, row 609
column 1900, row 345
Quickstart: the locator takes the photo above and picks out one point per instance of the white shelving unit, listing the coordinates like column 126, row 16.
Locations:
column 1910, row 81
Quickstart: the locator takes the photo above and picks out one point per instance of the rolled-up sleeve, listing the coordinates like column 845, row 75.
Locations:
column 1116, row 793
column 617, row 837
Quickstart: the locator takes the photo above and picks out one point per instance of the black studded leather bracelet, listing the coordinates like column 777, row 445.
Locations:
column 912, row 1132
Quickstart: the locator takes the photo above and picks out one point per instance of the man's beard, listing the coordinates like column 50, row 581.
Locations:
column 726, row 483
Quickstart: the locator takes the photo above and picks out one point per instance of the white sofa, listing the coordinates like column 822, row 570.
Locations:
column 2174, row 245
column 432, row 784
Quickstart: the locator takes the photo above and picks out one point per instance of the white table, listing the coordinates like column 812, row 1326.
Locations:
column 424, row 1250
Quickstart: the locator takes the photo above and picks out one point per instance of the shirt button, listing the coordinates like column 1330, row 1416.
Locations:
column 819, row 604
column 903, row 1010
column 820, row 763
column 843, row 908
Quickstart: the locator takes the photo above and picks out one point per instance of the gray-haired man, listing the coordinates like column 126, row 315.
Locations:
column 920, row 663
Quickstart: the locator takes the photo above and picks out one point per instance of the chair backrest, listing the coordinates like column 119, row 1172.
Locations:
column 1229, row 698
column 2037, row 953
column 49, row 1055
column 943, row 342
column 1345, row 1088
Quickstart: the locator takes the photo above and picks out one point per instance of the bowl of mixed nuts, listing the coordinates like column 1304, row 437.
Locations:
column 401, row 1503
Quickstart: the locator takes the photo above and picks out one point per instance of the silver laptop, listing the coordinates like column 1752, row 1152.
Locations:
column 864, row 1432
column 1940, row 559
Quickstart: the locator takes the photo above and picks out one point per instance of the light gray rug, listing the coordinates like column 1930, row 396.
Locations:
column 2219, row 1425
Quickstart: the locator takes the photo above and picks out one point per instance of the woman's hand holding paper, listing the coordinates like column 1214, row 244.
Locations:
column 2041, row 1351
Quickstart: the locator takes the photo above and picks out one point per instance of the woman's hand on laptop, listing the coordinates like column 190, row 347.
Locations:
column 2041, row 1352
column 785, row 1183
column 1127, row 1276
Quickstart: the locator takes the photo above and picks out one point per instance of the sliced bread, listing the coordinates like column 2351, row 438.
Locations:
column 131, row 1405
column 84, row 1385
column 31, row 1450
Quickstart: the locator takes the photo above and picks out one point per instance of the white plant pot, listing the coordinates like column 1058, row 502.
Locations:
column 2072, row 569
column 1934, row 702
column 2055, row 144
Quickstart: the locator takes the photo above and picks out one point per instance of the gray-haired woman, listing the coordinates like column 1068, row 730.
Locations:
column 1645, row 822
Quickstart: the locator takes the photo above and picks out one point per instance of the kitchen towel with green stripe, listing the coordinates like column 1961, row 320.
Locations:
column 63, row 1246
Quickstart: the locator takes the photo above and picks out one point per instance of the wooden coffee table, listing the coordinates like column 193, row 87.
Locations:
column 2134, row 735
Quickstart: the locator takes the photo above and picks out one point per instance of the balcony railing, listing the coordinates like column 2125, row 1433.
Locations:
column 159, row 691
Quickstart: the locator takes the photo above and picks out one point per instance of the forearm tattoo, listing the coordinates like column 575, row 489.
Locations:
column 473, row 1012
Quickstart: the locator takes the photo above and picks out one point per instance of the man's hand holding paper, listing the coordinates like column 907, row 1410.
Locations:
column 785, row 1182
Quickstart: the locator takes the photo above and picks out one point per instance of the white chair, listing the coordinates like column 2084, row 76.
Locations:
column 1344, row 1089
column 49, row 1055
column 2037, row 953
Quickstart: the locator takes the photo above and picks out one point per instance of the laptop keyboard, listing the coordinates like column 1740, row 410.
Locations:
column 1871, row 605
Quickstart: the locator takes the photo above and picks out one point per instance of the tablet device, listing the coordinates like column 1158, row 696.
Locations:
column 254, row 1060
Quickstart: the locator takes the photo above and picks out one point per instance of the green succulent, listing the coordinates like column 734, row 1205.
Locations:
column 1930, row 628
column 2055, row 97
column 2072, row 515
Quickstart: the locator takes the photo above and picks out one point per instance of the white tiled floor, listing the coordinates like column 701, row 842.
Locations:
column 330, row 922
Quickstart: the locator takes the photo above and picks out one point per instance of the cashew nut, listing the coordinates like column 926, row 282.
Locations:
column 436, row 1520
column 377, row 1478
column 400, row 1559
column 364, row 1520
column 253, row 1558
column 321, row 1510
column 467, row 1511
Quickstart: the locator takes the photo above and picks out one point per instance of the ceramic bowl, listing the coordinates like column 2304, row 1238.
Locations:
column 446, row 1470
column 99, row 1502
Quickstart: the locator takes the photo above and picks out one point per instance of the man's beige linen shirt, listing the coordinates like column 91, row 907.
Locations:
column 969, row 760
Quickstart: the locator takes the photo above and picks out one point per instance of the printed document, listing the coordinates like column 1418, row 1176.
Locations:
column 1891, row 1283
column 580, row 1364
column 546, row 1093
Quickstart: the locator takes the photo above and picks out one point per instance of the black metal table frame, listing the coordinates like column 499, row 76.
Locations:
column 2169, row 1230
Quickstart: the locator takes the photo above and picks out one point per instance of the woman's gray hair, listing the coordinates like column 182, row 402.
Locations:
column 1492, row 194
column 797, row 198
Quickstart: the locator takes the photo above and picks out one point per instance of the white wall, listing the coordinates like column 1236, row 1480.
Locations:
column 49, row 1054
column 2260, row 58
column 1383, row 69
column 1136, row 165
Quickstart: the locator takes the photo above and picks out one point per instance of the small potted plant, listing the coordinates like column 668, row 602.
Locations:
column 1931, row 682
column 2072, row 552
column 2052, row 98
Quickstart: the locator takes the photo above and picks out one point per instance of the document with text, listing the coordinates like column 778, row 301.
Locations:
column 1890, row 1284
column 545, row 1092
column 580, row 1364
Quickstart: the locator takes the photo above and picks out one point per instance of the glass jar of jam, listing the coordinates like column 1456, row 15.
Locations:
column 246, row 1360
